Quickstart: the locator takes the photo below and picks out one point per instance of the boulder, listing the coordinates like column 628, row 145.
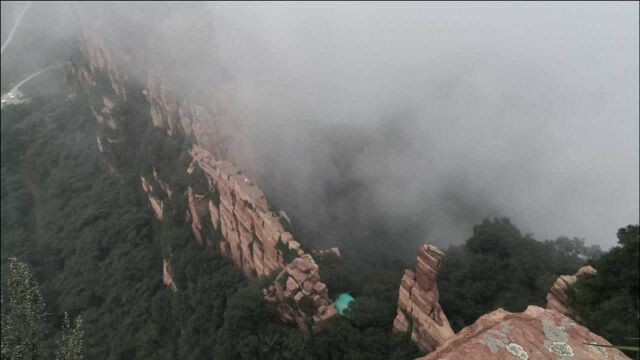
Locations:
column 536, row 333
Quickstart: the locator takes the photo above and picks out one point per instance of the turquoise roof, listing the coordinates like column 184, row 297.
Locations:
column 342, row 302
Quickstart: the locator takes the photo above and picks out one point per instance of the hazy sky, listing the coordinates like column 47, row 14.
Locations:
column 436, row 114
column 524, row 110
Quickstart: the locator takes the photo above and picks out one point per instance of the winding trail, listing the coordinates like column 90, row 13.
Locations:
column 17, row 87
column 14, row 96
column 15, row 26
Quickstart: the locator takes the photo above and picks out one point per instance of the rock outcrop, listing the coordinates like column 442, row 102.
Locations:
column 299, row 294
column 257, row 239
column 167, row 275
column 557, row 296
column 156, row 204
column 418, row 307
column 334, row 250
column 536, row 333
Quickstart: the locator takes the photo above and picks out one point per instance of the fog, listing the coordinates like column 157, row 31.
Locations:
column 464, row 110
column 421, row 119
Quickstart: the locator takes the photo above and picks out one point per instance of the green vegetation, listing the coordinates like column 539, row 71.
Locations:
column 22, row 315
column 608, row 302
column 70, row 346
column 500, row 267
column 374, row 288
column 23, row 328
column 287, row 253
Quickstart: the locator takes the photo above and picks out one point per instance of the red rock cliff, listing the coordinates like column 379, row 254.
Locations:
column 418, row 307
column 253, row 236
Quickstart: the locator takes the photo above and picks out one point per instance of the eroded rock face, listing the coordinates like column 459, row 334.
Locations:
column 300, row 295
column 167, row 275
column 198, row 208
column 98, row 57
column 187, row 91
column 254, row 237
column 418, row 307
column 557, row 297
column 536, row 333
column 156, row 204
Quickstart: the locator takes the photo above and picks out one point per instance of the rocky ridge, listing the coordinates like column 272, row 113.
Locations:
column 230, row 214
column 257, row 240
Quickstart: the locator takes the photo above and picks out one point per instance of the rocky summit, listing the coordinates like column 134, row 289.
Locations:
column 535, row 333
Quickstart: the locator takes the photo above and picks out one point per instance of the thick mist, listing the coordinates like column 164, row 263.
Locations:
column 406, row 123
column 439, row 114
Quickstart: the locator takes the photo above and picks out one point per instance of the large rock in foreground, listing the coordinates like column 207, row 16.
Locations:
column 557, row 298
column 418, row 306
column 536, row 333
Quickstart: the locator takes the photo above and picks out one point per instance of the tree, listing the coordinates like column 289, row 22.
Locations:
column 498, row 266
column 368, row 312
column 23, row 316
column 607, row 303
column 70, row 346
column 23, row 325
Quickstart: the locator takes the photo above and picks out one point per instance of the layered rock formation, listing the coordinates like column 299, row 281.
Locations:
column 536, row 333
column 257, row 239
column 557, row 297
column 418, row 307
column 156, row 204
column 299, row 293
column 229, row 213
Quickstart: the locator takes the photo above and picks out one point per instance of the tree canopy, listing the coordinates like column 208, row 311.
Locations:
column 608, row 302
column 499, row 267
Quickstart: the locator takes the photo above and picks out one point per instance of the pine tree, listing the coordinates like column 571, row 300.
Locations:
column 22, row 315
column 70, row 346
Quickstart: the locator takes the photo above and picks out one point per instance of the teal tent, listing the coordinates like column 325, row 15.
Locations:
column 342, row 302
